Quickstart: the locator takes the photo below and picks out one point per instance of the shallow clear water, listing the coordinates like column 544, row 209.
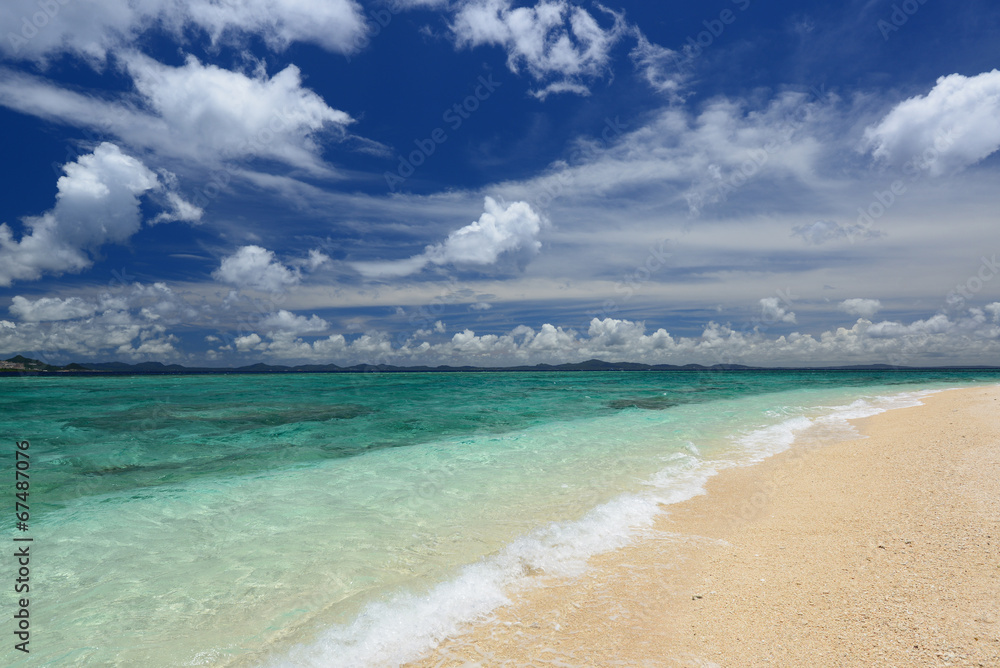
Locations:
column 337, row 519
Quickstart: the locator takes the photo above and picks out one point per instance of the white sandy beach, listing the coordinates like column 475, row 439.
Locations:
column 878, row 551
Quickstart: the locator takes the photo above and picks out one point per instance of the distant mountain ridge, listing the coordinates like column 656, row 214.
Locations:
column 27, row 365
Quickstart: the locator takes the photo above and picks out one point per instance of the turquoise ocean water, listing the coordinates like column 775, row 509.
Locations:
column 354, row 519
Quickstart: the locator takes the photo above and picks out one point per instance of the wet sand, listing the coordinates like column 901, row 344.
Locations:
column 878, row 551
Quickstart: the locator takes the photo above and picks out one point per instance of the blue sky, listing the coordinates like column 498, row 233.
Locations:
column 489, row 182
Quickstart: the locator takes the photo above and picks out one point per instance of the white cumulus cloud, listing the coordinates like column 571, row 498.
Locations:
column 772, row 311
column 955, row 125
column 248, row 342
column 552, row 40
column 971, row 337
column 50, row 308
column 256, row 268
column 500, row 229
column 286, row 321
column 131, row 321
column 865, row 308
column 97, row 202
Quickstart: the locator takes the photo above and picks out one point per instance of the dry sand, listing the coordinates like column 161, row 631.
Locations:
column 880, row 551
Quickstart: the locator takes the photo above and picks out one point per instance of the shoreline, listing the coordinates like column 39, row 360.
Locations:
column 880, row 550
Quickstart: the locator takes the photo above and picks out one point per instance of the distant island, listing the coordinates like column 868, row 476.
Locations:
column 20, row 365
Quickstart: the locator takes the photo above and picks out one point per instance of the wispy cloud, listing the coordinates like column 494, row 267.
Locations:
column 196, row 112
column 92, row 30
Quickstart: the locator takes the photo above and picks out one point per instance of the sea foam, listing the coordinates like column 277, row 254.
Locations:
column 388, row 633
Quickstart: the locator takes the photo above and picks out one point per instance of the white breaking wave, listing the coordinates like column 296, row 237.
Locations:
column 387, row 634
